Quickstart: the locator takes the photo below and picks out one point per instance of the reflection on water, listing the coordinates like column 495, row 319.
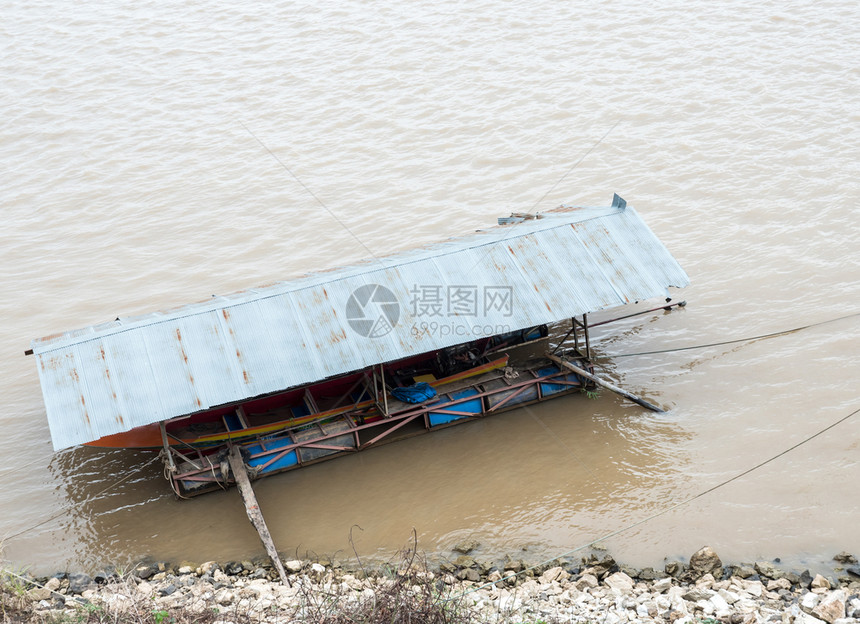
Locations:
column 105, row 490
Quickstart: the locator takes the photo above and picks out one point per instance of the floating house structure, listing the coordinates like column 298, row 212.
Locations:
column 346, row 359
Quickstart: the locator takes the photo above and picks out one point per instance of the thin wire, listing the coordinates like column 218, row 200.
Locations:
column 576, row 164
column 70, row 506
column 728, row 342
column 78, row 603
column 552, row 188
column 663, row 511
column 310, row 192
column 12, row 469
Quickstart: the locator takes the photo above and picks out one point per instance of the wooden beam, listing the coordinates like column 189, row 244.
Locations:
column 605, row 384
column 237, row 465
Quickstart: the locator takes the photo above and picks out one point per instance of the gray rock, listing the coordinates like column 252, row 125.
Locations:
column 855, row 570
column 805, row 579
column 845, row 557
column 792, row 578
column 293, row 567
column 586, row 581
column 674, row 568
column 705, row 561
column 465, row 561
column 572, row 568
column 168, row 590
column 650, row 574
column 819, row 582
column 208, row 567
column 779, row 584
column 261, row 561
column 694, row 594
column 233, row 568
column 553, row 574
column 79, row 582
column 37, row 594
column 767, row 569
column 466, row 546
column 469, row 574
column 600, row 568
column 145, row 570
column 744, row 571
column 513, row 566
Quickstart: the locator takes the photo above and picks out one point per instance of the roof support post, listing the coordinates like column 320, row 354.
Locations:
column 384, row 391
column 585, row 331
column 169, row 456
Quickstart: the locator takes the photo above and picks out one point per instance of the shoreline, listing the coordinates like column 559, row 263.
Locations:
column 583, row 589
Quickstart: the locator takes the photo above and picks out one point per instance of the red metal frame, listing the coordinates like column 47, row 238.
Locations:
column 395, row 421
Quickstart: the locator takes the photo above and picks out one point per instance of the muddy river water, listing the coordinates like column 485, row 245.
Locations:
column 150, row 156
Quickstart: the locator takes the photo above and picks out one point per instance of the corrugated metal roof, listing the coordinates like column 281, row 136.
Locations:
column 115, row 376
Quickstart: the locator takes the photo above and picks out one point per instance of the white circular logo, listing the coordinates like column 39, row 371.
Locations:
column 372, row 310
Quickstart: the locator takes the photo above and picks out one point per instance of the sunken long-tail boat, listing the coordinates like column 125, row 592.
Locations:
column 346, row 359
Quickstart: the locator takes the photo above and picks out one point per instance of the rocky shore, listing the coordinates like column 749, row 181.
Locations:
column 590, row 589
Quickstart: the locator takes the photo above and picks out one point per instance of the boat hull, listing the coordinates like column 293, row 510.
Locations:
column 179, row 430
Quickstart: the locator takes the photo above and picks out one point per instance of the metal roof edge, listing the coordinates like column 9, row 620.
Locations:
column 100, row 330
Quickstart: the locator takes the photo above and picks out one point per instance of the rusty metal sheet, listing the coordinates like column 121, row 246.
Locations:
column 131, row 372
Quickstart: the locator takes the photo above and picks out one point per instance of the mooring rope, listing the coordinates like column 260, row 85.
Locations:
column 658, row 513
column 69, row 506
column 728, row 342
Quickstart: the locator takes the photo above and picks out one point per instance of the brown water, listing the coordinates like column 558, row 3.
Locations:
column 130, row 183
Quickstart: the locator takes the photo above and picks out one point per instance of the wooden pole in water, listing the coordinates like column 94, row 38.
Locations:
column 605, row 384
column 237, row 465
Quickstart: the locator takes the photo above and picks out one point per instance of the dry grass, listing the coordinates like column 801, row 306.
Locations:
column 408, row 594
column 405, row 593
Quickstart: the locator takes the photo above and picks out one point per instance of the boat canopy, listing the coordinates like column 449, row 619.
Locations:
column 112, row 377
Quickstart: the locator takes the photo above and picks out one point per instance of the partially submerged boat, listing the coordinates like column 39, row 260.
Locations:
column 339, row 361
